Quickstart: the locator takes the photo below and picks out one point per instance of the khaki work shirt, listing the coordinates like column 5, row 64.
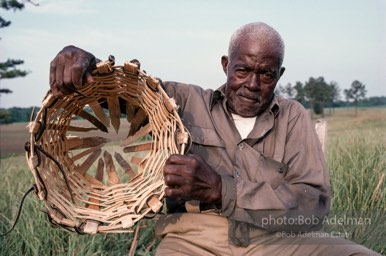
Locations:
column 276, row 178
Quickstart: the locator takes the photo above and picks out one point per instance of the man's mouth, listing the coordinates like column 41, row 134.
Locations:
column 249, row 98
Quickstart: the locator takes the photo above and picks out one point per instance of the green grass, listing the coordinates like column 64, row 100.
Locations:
column 357, row 166
column 356, row 156
column 34, row 235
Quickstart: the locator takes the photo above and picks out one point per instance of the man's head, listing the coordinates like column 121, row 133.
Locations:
column 253, row 68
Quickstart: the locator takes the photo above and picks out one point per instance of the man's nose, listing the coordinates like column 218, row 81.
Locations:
column 253, row 82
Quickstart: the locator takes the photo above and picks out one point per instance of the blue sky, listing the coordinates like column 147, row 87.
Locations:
column 181, row 40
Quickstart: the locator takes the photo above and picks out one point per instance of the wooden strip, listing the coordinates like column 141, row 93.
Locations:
column 92, row 119
column 136, row 160
column 79, row 129
column 110, row 168
column 125, row 165
column 139, row 147
column 34, row 127
column 82, row 169
column 152, row 82
column 93, row 200
column 115, row 112
column 94, row 182
column 182, row 137
column 87, row 142
column 139, row 134
column 154, row 203
column 73, row 142
column 100, row 113
column 91, row 227
column 131, row 68
column 138, row 120
column 104, row 67
column 130, row 111
column 99, row 172
column 85, row 152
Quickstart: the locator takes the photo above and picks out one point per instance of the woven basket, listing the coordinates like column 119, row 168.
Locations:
column 97, row 154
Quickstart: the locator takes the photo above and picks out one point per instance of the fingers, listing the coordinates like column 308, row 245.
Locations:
column 178, row 177
column 53, row 83
column 176, row 192
column 176, row 163
column 176, row 159
column 79, row 73
column 190, row 177
column 70, row 69
column 63, row 83
column 178, row 187
column 175, row 180
column 88, row 78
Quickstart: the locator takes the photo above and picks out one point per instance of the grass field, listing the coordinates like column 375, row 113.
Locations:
column 356, row 156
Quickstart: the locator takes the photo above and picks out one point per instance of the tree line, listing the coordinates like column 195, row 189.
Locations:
column 318, row 94
column 17, row 114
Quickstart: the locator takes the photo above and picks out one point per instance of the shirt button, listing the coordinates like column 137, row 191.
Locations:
column 241, row 146
column 237, row 174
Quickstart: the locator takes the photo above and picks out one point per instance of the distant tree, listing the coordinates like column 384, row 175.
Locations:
column 287, row 91
column 15, row 114
column 375, row 101
column 299, row 88
column 356, row 93
column 317, row 92
column 295, row 92
column 310, row 92
column 333, row 94
column 8, row 68
column 5, row 116
column 12, row 5
column 5, row 91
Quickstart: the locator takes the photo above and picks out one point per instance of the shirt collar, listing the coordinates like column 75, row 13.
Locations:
column 219, row 94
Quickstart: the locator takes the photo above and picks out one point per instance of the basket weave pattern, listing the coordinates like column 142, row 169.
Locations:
column 97, row 154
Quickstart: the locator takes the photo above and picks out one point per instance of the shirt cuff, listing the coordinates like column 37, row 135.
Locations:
column 228, row 194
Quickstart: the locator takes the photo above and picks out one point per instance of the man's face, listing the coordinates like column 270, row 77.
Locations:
column 252, row 74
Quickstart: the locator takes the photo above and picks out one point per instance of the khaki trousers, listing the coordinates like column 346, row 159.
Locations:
column 207, row 234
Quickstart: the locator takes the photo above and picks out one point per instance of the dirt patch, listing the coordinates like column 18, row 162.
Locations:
column 12, row 138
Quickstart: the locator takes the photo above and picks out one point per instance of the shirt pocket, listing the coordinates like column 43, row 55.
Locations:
column 207, row 144
column 271, row 171
column 257, row 168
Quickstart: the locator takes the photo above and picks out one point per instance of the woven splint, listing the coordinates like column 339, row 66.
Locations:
column 97, row 154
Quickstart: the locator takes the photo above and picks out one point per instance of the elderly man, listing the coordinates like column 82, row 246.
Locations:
column 254, row 181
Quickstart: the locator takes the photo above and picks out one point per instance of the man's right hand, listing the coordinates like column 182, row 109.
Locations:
column 70, row 69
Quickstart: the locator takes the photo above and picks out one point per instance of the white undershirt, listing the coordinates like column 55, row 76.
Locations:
column 244, row 124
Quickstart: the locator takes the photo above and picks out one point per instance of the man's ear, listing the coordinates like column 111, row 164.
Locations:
column 282, row 69
column 224, row 63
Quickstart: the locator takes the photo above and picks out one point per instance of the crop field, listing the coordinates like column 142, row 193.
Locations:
column 356, row 157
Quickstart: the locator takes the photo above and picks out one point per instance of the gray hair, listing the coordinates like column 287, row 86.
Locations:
column 262, row 32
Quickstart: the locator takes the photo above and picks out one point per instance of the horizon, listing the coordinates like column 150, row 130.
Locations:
column 184, row 41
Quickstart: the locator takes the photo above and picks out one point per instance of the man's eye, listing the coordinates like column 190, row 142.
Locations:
column 242, row 72
column 267, row 77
